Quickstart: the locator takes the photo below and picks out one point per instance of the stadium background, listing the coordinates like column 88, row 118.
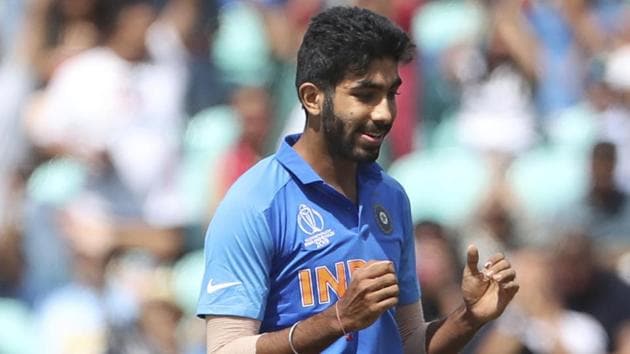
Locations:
column 513, row 133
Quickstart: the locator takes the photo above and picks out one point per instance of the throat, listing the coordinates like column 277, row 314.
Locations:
column 346, row 188
column 342, row 176
column 338, row 173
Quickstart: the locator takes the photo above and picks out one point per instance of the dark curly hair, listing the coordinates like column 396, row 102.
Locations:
column 345, row 40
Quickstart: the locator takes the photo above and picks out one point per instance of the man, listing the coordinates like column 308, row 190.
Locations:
column 314, row 246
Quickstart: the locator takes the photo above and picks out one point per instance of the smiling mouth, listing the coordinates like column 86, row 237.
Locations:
column 373, row 137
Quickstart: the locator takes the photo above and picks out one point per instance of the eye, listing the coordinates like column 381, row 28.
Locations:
column 365, row 96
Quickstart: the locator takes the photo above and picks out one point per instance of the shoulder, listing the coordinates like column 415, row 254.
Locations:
column 388, row 182
column 257, row 188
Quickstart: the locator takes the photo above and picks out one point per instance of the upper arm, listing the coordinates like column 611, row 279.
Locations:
column 407, row 277
column 238, row 252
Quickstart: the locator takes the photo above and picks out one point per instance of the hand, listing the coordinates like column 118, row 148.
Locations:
column 488, row 292
column 372, row 291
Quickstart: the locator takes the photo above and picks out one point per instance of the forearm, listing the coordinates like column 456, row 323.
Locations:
column 312, row 335
column 451, row 334
column 412, row 328
column 227, row 335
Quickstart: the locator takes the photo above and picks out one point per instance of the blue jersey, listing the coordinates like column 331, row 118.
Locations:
column 283, row 244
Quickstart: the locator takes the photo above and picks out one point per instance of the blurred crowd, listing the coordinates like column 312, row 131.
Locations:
column 123, row 123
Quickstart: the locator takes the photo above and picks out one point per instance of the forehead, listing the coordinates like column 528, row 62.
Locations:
column 381, row 72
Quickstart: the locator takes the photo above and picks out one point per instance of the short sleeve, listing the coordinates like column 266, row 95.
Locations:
column 238, row 252
column 407, row 277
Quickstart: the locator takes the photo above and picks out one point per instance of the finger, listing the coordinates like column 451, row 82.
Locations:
column 510, row 287
column 472, row 259
column 498, row 267
column 493, row 260
column 374, row 269
column 505, row 276
column 382, row 281
column 386, row 304
column 384, row 293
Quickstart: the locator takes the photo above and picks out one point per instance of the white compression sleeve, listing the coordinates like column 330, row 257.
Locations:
column 231, row 335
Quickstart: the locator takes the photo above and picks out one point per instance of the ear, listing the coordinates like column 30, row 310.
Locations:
column 312, row 98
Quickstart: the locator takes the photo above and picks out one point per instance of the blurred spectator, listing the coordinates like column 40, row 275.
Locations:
column 195, row 22
column 496, row 112
column 253, row 109
column 438, row 271
column 615, row 120
column 75, row 317
column 559, row 57
column 61, row 29
column 437, row 27
column 585, row 286
column 598, row 25
column 118, row 110
column 11, row 18
column 498, row 223
column 537, row 321
column 284, row 25
column 11, row 248
column 11, row 259
column 155, row 330
column 623, row 340
column 604, row 213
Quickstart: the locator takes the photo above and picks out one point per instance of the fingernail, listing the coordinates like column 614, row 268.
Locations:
column 487, row 265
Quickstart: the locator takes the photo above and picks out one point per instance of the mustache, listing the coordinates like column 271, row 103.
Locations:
column 377, row 129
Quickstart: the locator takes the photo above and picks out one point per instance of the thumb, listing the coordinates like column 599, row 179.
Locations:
column 472, row 259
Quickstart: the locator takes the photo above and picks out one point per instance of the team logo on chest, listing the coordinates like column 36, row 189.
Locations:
column 310, row 221
column 383, row 220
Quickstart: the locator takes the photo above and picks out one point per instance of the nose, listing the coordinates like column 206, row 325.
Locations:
column 384, row 112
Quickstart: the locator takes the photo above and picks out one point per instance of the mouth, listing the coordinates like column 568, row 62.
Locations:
column 373, row 138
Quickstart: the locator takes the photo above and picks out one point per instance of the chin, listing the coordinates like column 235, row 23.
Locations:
column 366, row 155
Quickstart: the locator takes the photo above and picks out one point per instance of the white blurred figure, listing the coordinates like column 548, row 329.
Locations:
column 497, row 112
column 615, row 121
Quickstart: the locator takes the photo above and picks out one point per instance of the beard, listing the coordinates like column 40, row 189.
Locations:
column 341, row 136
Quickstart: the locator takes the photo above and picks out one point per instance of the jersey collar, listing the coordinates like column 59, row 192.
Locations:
column 295, row 164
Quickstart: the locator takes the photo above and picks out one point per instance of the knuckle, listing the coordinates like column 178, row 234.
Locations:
column 391, row 279
column 396, row 290
column 361, row 287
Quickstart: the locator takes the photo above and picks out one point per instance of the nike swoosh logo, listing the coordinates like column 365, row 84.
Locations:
column 216, row 287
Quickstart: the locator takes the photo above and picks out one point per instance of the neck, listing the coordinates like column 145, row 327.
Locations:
column 340, row 173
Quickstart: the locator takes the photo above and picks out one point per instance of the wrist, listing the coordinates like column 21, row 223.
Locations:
column 468, row 319
column 332, row 322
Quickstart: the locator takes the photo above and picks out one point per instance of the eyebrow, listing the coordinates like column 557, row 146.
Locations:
column 369, row 84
